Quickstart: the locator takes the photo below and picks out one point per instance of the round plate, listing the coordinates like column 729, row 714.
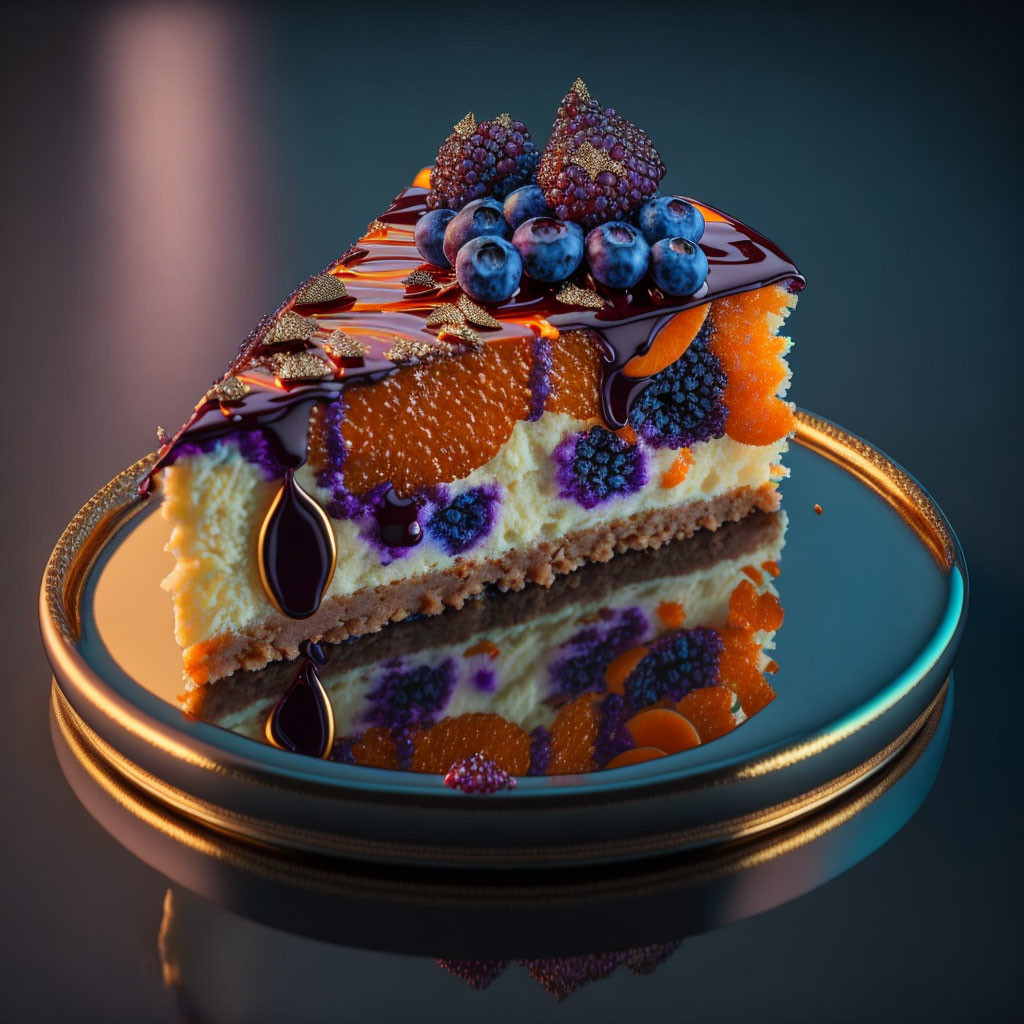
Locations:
column 875, row 592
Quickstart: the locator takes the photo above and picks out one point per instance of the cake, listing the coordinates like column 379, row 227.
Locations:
column 649, row 653
column 530, row 360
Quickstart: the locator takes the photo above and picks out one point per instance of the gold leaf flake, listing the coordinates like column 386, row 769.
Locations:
column 580, row 88
column 299, row 366
column 464, row 333
column 573, row 295
column 465, row 128
column 231, row 389
column 344, row 346
column 376, row 227
column 291, row 327
column 325, row 288
column 420, row 279
column 446, row 313
column 476, row 314
column 594, row 161
column 504, row 120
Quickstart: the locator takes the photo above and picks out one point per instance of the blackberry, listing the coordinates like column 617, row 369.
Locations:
column 683, row 403
column 675, row 665
column 465, row 520
column 597, row 466
column 612, row 735
column 477, row 774
column 414, row 696
column 490, row 158
column 540, row 751
column 594, row 648
column 597, row 166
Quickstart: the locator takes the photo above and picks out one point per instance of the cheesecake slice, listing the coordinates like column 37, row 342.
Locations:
column 394, row 440
column 548, row 680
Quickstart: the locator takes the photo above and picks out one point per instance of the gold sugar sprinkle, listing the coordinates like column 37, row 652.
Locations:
column 573, row 295
column 162, row 436
column 446, row 313
column 594, row 161
column 404, row 350
column 291, row 327
column 580, row 88
column 504, row 120
column 299, row 366
column 476, row 314
column 231, row 389
column 344, row 346
column 420, row 279
column 465, row 128
column 325, row 288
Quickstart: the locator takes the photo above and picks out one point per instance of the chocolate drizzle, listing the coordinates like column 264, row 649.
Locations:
column 297, row 551
column 302, row 721
column 378, row 311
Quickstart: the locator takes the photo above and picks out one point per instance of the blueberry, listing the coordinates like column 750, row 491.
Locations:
column 488, row 269
column 551, row 250
column 617, row 254
column 678, row 266
column 670, row 217
column 525, row 203
column 429, row 236
column 482, row 217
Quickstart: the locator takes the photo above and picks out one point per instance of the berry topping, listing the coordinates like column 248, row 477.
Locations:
column 478, row 774
column 525, row 203
column 678, row 266
column 670, row 217
column 429, row 236
column 550, row 249
column 478, row 973
column 675, row 665
column 490, row 158
column 617, row 254
column 597, row 166
column 465, row 520
column 488, row 269
column 480, row 218
column 596, row 466
column 682, row 404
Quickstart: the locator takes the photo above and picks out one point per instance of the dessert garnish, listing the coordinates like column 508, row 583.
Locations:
column 478, row 774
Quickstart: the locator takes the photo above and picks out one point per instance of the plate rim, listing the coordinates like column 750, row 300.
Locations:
column 206, row 747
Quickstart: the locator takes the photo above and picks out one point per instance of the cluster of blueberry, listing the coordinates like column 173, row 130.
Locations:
column 492, row 245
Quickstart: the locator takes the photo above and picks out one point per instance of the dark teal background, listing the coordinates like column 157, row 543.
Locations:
column 170, row 171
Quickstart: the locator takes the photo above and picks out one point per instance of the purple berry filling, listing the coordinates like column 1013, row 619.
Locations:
column 597, row 466
column 591, row 651
column 484, row 680
column 540, row 377
column 463, row 522
column 252, row 445
column 540, row 751
column 675, row 664
column 612, row 735
column 407, row 697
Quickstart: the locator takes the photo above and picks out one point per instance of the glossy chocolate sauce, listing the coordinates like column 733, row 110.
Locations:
column 302, row 721
column 380, row 310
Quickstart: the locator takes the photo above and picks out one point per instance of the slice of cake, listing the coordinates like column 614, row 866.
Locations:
column 530, row 360
column 543, row 680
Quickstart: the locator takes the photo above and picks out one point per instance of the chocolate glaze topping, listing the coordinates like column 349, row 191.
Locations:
column 380, row 311
column 302, row 721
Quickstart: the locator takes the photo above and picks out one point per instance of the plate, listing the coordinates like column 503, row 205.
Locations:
column 875, row 592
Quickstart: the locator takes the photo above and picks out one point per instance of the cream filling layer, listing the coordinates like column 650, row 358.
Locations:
column 216, row 503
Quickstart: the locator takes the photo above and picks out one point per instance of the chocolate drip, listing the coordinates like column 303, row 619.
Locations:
column 397, row 519
column 297, row 551
column 302, row 721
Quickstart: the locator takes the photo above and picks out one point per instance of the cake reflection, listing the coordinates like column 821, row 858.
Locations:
column 646, row 655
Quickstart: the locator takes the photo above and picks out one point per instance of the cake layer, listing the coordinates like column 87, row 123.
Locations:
column 532, row 656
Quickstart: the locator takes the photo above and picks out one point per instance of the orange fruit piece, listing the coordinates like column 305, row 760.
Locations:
column 376, row 749
column 422, row 179
column 738, row 670
column 750, row 610
column 635, row 755
column 572, row 736
column 424, row 425
column 672, row 614
column 679, row 470
column 710, row 711
column 504, row 742
column 772, row 568
column 664, row 729
column 616, row 674
column 669, row 343
column 575, row 376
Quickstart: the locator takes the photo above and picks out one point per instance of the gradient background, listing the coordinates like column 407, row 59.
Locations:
column 170, row 171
